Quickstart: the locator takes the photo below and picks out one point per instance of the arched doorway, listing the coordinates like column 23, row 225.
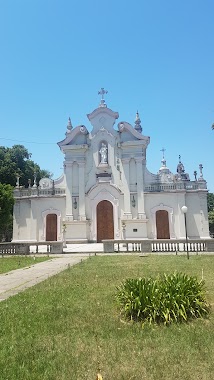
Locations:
column 105, row 221
column 51, row 227
column 162, row 224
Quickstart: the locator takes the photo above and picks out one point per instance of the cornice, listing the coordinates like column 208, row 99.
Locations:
column 82, row 147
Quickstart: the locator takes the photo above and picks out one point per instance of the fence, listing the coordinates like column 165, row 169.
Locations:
column 110, row 246
column 31, row 247
column 150, row 246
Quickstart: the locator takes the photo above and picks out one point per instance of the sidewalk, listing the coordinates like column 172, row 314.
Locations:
column 18, row 280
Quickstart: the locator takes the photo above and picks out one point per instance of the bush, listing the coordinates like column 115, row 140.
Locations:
column 168, row 298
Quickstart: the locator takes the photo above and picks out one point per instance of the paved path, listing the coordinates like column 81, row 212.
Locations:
column 80, row 248
column 73, row 248
column 18, row 280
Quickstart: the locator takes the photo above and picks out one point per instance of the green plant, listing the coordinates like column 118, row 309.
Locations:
column 169, row 298
column 67, row 326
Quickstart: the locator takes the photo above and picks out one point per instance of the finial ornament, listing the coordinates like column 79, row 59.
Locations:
column 138, row 123
column 163, row 161
column 201, row 178
column 17, row 180
column 69, row 126
column 34, row 180
column 102, row 92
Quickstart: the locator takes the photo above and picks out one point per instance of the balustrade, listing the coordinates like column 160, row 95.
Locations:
column 37, row 192
column 31, row 247
column 158, row 246
column 157, row 187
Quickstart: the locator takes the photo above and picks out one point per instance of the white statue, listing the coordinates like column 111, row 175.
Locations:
column 103, row 153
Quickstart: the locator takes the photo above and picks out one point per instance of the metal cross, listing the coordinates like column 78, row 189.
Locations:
column 102, row 92
column 163, row 150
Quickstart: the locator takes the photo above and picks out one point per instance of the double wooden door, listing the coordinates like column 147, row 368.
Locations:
column 105, row 221
column 162, row 224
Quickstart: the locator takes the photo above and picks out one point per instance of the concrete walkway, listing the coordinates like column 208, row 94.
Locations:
column 18, row 280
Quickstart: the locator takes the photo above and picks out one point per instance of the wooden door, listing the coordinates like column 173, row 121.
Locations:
column 105, row 221
column 162, row 224
column 51, row 227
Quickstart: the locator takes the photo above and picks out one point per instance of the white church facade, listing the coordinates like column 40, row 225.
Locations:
column 107, row 192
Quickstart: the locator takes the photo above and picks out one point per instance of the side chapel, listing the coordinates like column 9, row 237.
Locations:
column 107, row 192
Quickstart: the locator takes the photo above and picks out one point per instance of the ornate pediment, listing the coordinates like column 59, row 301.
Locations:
column 101, row 111
column 76, row 136
column 129, row 133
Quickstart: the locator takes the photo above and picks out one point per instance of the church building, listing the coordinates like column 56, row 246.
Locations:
column 107, row 192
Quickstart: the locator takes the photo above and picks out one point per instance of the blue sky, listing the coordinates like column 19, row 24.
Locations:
column 154, row 56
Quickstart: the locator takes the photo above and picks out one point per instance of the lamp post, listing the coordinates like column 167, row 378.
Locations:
column 184, row 210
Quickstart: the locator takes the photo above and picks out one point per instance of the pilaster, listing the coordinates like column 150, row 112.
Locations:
column 68, row 175
column 82, row 215
column 140, row 192
column 127, row 203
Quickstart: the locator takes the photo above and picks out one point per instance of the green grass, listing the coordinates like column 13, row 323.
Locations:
column 15, row 262
column 69, row 325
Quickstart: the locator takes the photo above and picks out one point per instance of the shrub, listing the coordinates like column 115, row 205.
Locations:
column 168, row 298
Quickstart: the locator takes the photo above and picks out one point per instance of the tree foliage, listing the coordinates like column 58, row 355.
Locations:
column 210, row 205
column 14, row 161
column 210, row 201
column 6, row 211
column 17, row 161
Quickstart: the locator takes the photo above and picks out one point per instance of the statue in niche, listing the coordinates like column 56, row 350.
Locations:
column 103, row 153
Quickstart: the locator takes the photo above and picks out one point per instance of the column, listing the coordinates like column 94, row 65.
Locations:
column 82, row 215
column 127, row 203
column 140, row 190
column 68, row 176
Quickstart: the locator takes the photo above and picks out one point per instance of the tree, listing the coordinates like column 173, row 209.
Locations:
column 210, row 205
column 6, row 211
column 210, row 201
column 17, row 161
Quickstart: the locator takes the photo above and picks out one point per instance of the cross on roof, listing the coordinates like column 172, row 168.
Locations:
column 102, row 92
column 163, row 150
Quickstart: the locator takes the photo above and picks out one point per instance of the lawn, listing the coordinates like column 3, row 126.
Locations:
column 69, row 325
column 15, row 262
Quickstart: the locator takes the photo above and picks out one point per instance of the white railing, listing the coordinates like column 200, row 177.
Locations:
column 37, row 192
column 179, row 246
column 158, row 246
column 31, row 247
column 157, row 187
